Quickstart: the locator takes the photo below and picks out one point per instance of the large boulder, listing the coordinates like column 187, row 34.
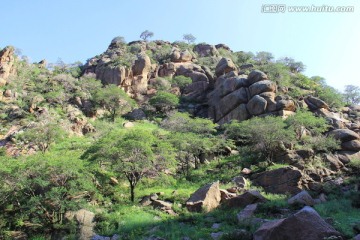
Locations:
column 224, row 66
column 206, row 50
column 344, row 135
column 205, row 198
column 86, row 223
column 249, row 197
column 281, row 181
column 142, row 65
column 262, row 86
column 305, row 224
column 353, row 145
column 333, row 161
column 257, row 105
column 256, row 76
column 180, row 56
column 315, row 103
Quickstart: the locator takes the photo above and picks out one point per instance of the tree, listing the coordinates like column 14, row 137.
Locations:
column 146, row 34
column 264, row 135
column 189, row 38
column 263, row 57
column 352, row 94
column 113, row 99
column 294, row 66
column 182, row 122
column 164, row 101
column 131, row 153
column 305, row 120
column 43, row 135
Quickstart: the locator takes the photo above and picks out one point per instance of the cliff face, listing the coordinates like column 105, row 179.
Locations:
column 6, row 64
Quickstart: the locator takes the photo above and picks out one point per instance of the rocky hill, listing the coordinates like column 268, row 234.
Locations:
column 216, row 143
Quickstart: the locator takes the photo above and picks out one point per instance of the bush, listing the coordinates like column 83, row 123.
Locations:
column 164, row 101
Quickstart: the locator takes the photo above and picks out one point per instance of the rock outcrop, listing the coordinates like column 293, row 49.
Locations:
column 7, row 60
column 305, row 224
column 241, row 97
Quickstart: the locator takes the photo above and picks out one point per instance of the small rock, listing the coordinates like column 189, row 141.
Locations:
column 302, row 198
column 246, row 171
column 246, row 213
column 128, row 125
column 216, row 226
column 240, row 181
column 216, row 236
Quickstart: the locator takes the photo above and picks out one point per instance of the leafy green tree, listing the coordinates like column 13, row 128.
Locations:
column 133, row 154
column 352, row 94
column 146, row 34
column 294, row 66
column 331, row 96
column 263, row 57
column 182, row 122
column 164, row 101
column 36, row 191
column 43, row 135
column 264, row 135
column 189, row 38
column 181, row 82
column 114, row 100
column 304, row 120
column 244, row 57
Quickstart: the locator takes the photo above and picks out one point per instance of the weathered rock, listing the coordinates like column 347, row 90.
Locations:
column 224, row 66
column 162, row 205
column 226, row 194
column 249, row 197
column 353, row 145
column 247, row 213
column 261, row 87
column 256, row 76
column 256, row 105
column 224, row 46
column 334, row 162
column 136, row 114
column 86, row 223
column 282, row 180
column 206, row 198
column 347, row 156
column 2, row 82
column 315, row 103
column 302, row 198
column 239, row 113
column 240, row 181
column 7, row 60
column 217, row 235
column 206, row 50
column 181, row 56
column 344, row 135
column 305, row 224
column 288, row 105
column 128, row 125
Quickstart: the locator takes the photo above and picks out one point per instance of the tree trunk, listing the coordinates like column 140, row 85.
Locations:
column 132, row 192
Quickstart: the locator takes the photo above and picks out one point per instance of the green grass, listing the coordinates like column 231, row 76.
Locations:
column 341, row 211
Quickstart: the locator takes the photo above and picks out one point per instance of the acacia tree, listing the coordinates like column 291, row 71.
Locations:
column 132, row 153
column 43, row 135
column 113, row 99
column 305, row 120
column 189, row 38
column 264, row 135
column 352, row 94
column 146, row 34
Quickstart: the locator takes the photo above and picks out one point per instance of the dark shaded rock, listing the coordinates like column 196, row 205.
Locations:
column 261, row 87
column 249, row 197
column 305, row 224
column 282, row 180
column 256, row 76
column 353, row 145
column 315, row 103
column 256, row 105
column 247, row 213
column 302, row 198
column 344, row 135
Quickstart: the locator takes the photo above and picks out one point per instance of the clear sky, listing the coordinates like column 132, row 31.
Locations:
column 75, row 30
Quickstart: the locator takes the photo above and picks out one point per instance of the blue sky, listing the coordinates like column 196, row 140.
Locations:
column 75, row 30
